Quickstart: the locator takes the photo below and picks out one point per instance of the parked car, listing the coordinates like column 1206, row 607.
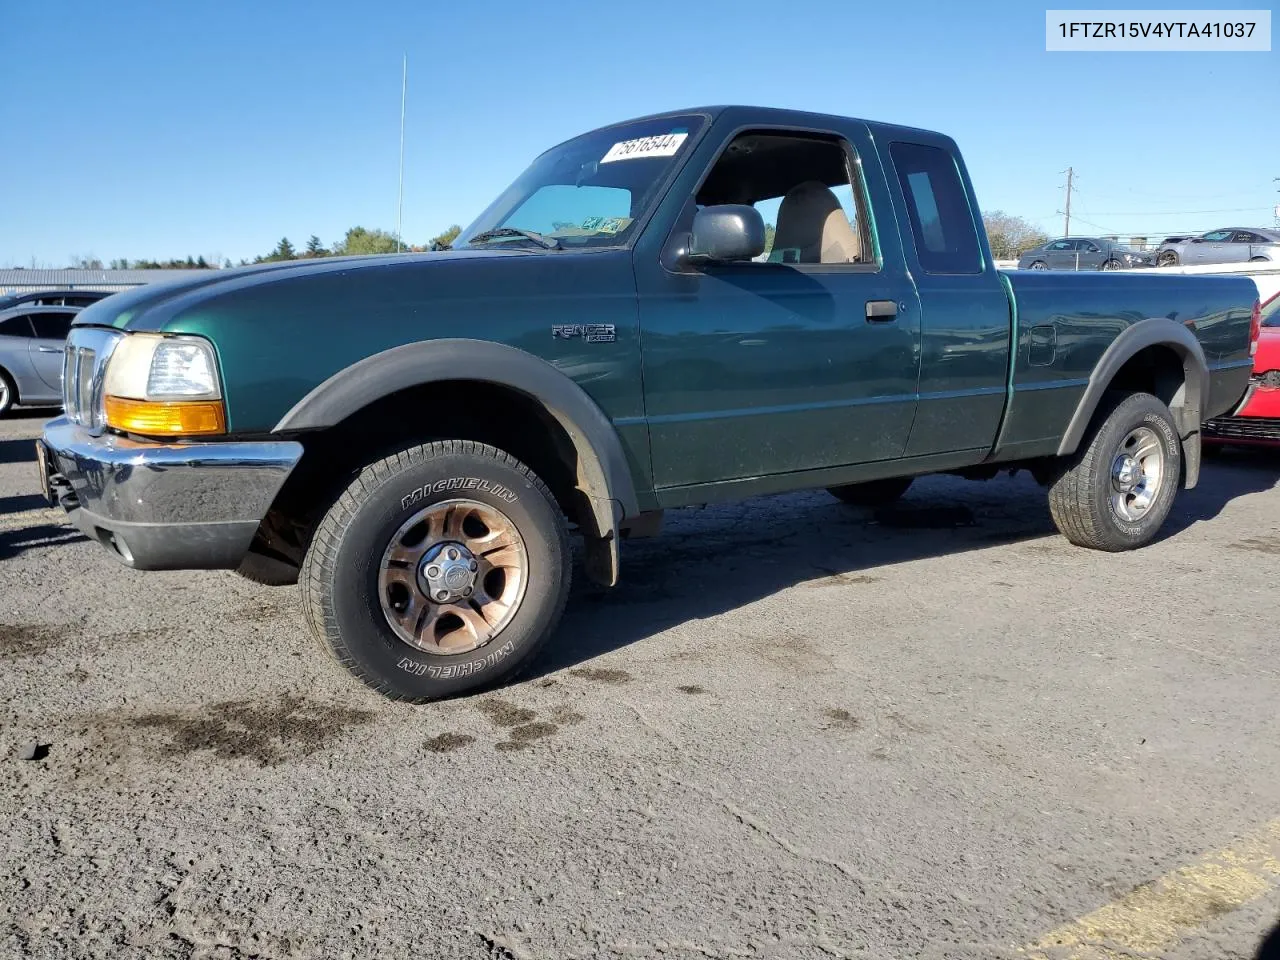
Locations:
column 31, row 350
column 1083, row 253
column 53, row 298
column 1229, row 245
column 1257, row 423
column 413, row 437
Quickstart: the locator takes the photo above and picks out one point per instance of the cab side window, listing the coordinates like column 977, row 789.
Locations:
column 805, row 188
column 942, row 225
column 19, row 326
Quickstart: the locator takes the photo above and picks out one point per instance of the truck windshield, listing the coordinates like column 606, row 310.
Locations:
column 590, row 191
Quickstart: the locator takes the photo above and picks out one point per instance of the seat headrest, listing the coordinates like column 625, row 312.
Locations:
column 811, row 221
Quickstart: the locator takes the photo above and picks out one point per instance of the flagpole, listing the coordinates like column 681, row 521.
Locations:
column 404, row 86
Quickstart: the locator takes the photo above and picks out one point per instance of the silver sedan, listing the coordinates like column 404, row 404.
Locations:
column 1229, row 245
column 31, row 342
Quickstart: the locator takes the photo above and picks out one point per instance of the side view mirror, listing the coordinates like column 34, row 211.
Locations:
column 726, row 232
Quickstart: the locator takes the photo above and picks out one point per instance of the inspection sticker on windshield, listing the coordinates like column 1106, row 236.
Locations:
column 663, row 145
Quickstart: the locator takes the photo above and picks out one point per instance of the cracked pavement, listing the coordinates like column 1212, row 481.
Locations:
column 796, row 730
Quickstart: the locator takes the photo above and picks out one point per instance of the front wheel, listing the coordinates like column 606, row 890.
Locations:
column 440, row 570
column 8, row 394
column 1116, row 491
column 1112, row 265
column 1167, row 259
column 873, row 493
column 1038, row 265
column 1259, row 260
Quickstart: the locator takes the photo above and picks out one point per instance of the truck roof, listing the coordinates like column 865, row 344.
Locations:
column 771, row 116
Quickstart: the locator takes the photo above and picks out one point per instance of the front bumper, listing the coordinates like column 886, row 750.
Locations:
column 166, row 506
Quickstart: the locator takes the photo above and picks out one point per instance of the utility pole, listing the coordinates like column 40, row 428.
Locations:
column 1066, row 227
column 1277, row 180
column 404, row 86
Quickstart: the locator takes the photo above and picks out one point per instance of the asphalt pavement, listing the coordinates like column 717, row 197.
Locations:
column 797, row 729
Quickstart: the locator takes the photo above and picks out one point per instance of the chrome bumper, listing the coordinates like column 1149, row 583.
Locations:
column 166, row 506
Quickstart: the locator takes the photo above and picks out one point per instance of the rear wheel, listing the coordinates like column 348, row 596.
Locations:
column 1116, row 491
column 8, row 393
column 439, row 570
column 873, row 493
column 1259, row 260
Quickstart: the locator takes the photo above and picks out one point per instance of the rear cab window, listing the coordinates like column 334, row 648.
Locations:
column 942, row 227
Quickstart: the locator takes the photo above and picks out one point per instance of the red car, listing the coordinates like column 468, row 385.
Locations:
column 1257, row 423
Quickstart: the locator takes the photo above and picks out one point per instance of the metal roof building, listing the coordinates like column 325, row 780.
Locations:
column 30, row 281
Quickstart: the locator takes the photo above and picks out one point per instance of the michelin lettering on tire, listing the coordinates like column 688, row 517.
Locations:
column 451, row 671
column 503, row 493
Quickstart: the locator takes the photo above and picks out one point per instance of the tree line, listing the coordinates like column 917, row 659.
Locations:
column 356, row 241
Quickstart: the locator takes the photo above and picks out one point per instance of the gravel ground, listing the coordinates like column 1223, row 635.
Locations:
column 795, row 731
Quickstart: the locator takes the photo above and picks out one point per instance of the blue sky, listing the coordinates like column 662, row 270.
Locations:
column 155, row 129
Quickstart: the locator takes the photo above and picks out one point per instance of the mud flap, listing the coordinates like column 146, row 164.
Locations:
column 603, row 558
column 1191, row 460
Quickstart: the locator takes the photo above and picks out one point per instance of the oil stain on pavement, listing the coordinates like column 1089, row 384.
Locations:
column 268, row 734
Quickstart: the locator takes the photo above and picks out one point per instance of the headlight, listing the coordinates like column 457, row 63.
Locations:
column 157, row 386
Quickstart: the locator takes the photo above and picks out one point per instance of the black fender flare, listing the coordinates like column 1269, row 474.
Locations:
column 1187, row 404
column 603, row 472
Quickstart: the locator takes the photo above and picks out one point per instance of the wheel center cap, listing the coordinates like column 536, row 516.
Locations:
column 448, row 572
column 1126, row 473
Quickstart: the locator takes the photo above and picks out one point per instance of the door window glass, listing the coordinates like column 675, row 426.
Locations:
column 18, row 326
column 52, row 326
column 803, row 188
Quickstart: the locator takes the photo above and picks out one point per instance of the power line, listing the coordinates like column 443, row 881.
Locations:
column 1175, row 213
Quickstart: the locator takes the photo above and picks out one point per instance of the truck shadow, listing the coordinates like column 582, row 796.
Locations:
column 39, row 536
column 711, row 560
column 17, row 451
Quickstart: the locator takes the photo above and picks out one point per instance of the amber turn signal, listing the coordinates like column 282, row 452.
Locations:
column 166, row 418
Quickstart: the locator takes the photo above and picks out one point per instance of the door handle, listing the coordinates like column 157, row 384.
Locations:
column 49, row 349
column 882, row 311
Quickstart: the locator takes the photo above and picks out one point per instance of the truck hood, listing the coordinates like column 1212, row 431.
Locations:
column 146, row 307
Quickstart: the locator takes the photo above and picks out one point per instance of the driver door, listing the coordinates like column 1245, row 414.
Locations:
column 52, row 324
column 782, row 364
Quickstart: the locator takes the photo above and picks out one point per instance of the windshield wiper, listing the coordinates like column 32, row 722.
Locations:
column 550, row 243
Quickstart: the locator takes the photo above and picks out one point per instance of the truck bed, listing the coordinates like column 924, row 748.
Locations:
column 1065, row 322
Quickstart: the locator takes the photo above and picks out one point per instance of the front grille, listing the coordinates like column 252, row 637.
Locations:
column 1243, row 428
column 77, row 384
column 84, row 364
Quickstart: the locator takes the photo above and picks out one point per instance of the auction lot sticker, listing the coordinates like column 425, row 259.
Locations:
column 1168, row 30
column 664, row 145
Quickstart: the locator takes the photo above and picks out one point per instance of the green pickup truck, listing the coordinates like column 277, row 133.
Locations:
column 414, row 438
